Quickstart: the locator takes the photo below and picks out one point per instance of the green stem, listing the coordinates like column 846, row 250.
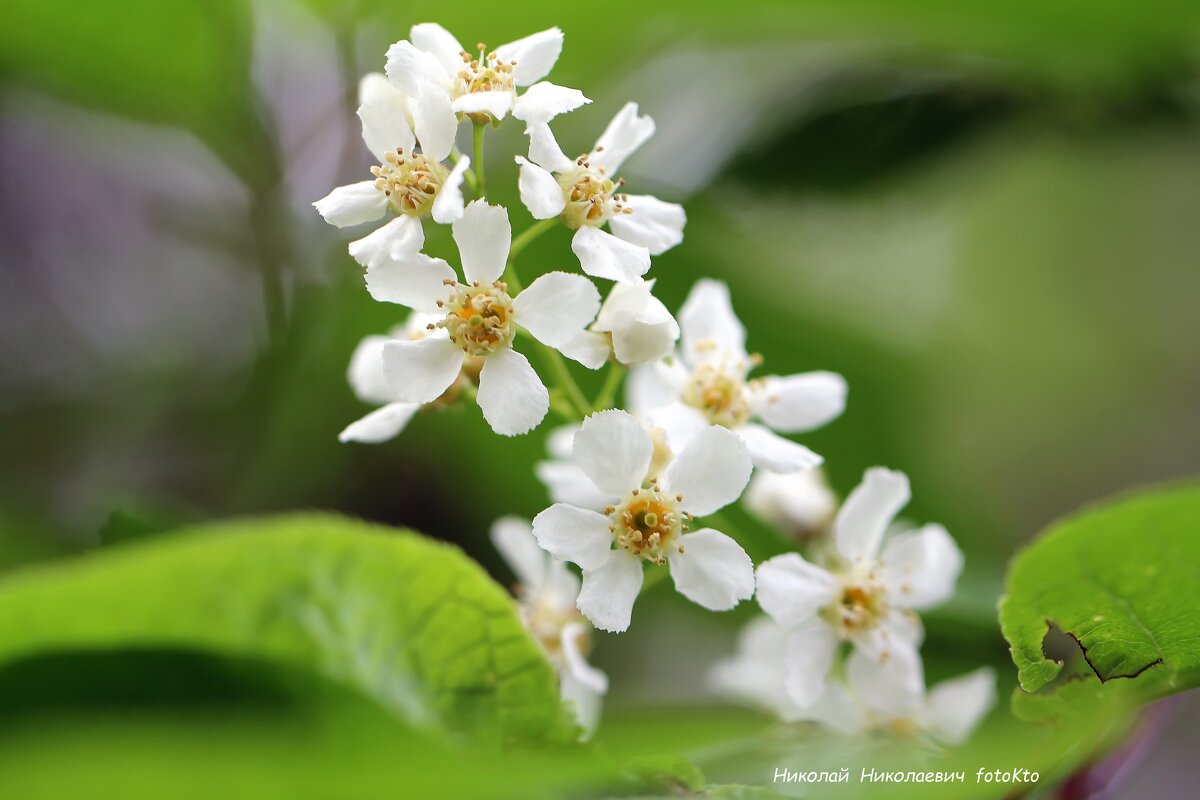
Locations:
column 480, row 186
column 608, row 392
column 564, row 381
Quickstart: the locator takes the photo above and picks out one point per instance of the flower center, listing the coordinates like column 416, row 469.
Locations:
column 720, row 393
column 861, row 606
column 483, row 73
column 410, row 183
column 546, row 620
column 591, row 195
column 648, row 522
column 479, row 319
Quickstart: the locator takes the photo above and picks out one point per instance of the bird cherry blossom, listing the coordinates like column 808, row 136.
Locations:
column 480, row 319
column 708, row 383
column 565, row 480
column 370, row 385
column 800, row 504
column 586, row 194
column 411, row 184
column 866, row 596
column 639, row 327
column 448, row 80
column 756, row 674
column 546, row 595
column 648, row 517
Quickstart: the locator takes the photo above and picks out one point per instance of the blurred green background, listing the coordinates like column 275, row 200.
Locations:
column 985, row 215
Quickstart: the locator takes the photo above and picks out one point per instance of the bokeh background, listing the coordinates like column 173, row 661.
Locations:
column 985, row 215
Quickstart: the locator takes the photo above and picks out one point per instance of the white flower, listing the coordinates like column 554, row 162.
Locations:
column 641, row 327
column 370, row 385
column 448, row 80
column 566, row 481
column 799, row 503
column 411, row 184
column 481, row 320
column 585, row 193
column 546, row 600
column 867, row 596
column 647, row 519
column 756, row 675
column 708, row 384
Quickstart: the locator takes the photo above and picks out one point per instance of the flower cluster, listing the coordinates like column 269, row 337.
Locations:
column 636, row 491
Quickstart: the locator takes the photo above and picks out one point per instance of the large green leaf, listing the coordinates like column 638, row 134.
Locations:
column 408, row 621
column 1121, row 580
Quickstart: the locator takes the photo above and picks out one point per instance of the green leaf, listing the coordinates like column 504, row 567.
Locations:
column 407, row 621
column 1121, row 580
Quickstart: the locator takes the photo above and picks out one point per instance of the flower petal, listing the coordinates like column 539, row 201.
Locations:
column 365, row 374
column 483, row 235
column 565, row 482
column 955, row 707
column 420, row 371
column 560, row 588
column 755, row 673
column 574, row 534
column 624, row 134
column 771, row 451
column 380, row 425
column 679, row 422
column 410, row 68
column 614, row 450
column 556, row 307
column 496, row 103
column 653, row 386
column 352, row 204
column 436, row 40
column 642, row 328
column 584, row 701
column 603, row 255
column 448, row 205
column 609, row 591
column 810, row 651
column 383, row 111
column 513, row 538
column 535, row 55
column 544, row 150
column 708, row 325
column 584, row 672
column 920, row 568
column 588, row 348
column 836, row 709
column 799, row 502
column 711, row 570
column 893, row 687
column 397, row 240
column 798, row 403
column 792, row 590
column 540, row 192
column 417, row 281
column 870, row 508
column 544, row 101
column 711, row 472
column 561, row 441
column 637, row 342
column 654, row 224
column 513, row 398
column 435, row 123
